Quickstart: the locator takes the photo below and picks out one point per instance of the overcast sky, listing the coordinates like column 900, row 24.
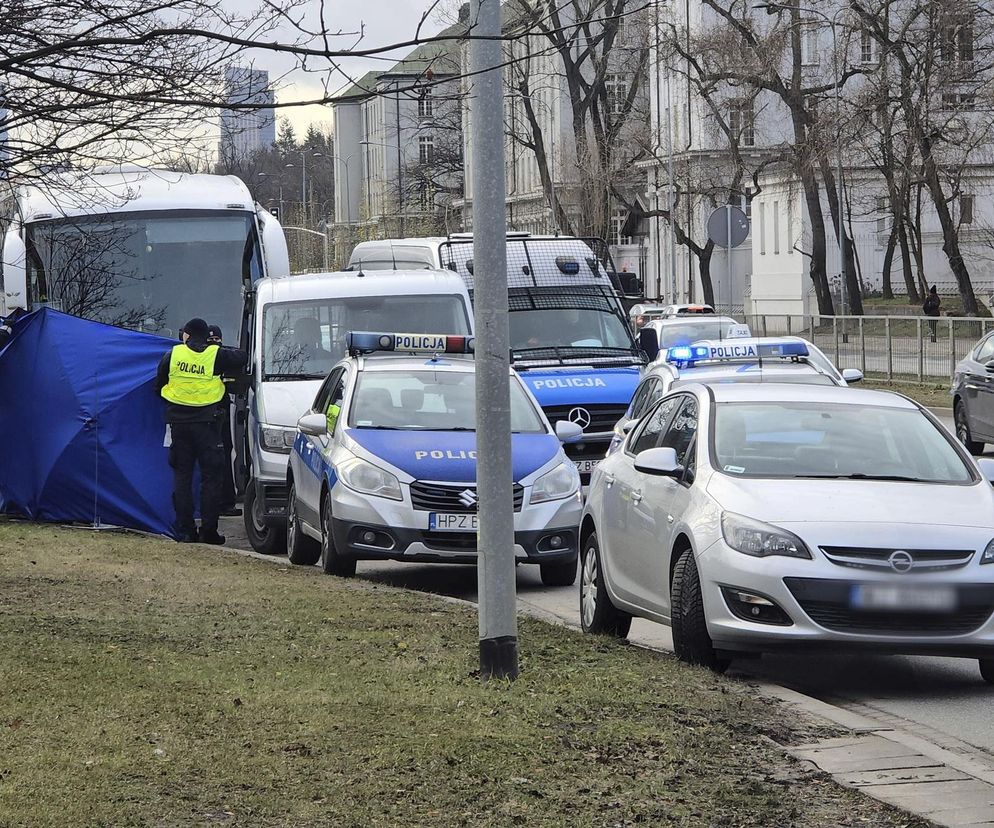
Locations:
column 383, row 22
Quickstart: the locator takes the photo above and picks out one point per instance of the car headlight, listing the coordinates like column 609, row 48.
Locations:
column 988, row 556
column 753, row 537
column 365, row 478
column 562, row 481
column 277, row 438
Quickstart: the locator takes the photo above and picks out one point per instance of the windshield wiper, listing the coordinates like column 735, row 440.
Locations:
column 860, row 476
column 293, row 376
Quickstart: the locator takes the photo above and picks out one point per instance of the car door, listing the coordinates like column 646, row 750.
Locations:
column 667, row 500
column 314, row 451
column 628, row 523
column 979, row 390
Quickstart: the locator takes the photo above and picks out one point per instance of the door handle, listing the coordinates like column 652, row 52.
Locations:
column 609, row 480
column 637, row 496
column 669, row 518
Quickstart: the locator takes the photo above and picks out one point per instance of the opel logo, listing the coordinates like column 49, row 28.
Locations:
column 580, row 416
column 467, row 498
column 901, row 561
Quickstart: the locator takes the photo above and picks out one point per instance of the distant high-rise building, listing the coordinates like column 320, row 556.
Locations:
column 245, row 132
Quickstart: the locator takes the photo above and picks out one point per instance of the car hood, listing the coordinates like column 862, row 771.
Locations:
column 283, row 403
column 450, row 456
column 888, row 504
column 581, row 386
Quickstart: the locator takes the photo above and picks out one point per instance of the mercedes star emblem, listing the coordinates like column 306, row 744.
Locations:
column 580, row 416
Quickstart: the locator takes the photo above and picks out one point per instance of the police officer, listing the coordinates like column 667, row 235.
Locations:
column 189, row 379
column 228, row 507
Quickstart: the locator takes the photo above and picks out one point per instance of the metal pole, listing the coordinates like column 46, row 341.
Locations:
column 495, row 540
column 671, row 207
column 728, row 253
column 303, row 186
column 838, row 153
column 324, row 244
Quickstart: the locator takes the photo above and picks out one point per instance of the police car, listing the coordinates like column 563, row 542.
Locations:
column 384, row 463
column 787, row 359
column 758, row 517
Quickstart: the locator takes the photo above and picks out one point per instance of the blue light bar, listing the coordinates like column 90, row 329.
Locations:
column 368, row 342
column 731, row 350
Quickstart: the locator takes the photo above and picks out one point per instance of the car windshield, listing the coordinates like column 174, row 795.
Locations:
column 583, row 319
column 693, row 330
column 833, row 441
column 430, row 400
column 303, row 340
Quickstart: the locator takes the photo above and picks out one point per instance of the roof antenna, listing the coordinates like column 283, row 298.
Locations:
column 393, row 258
column 360, row 274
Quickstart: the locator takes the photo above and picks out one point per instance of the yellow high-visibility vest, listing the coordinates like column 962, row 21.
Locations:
column 192, row 380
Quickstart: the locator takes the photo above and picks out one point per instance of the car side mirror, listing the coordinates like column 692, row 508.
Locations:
column 852, row 375
column 313, row 425
column 986, row 465
column 628, row 425
column 661, row 462
column 649, row 342
column 568, row 432
column 990, row 366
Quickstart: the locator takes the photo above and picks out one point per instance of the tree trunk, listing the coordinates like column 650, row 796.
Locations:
column 704, row 268
column 889, row 262
column 854, row 296
column 909, row 277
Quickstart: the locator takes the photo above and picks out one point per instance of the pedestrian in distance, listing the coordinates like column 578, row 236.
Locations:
column 189, row 379
column 930, row 307
column 228, row 506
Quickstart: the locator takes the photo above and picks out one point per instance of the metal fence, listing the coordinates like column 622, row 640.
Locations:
column 900, row 348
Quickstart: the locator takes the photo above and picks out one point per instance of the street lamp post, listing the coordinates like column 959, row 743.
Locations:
column 833, row 22
column 324, row 239
column 303, row 175
column 348, row 189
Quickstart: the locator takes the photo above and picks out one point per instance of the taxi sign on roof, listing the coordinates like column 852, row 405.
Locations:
column 736, row 349
column 368, row 342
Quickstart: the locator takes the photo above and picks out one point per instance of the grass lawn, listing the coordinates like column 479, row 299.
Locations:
column 930, row 394
column 147, row 683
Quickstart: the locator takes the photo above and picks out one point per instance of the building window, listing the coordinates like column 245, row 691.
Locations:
column 618, row 219
column 776, row 226
column 426, row 149
column 790, row 226
column 747, row 203
column 616, row 90
column 966, row 209
column 425, row 104
column 865, row 47
column 426, row 197
column 809, row 43
column 957, row 40
column 957, row 100
column 762, row 227
column 741, row 123
column 883, row 214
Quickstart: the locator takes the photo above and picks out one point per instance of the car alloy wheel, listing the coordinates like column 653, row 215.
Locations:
column 300, row 549
column 597, row 614
column 588, row 590
column 963, row 430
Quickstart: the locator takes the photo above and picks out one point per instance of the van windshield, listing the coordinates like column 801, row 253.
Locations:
column 303, row 340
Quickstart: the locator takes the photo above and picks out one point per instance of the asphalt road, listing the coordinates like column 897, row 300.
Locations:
column 943, row 699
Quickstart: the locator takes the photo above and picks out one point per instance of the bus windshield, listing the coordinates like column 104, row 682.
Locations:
column 150, row 271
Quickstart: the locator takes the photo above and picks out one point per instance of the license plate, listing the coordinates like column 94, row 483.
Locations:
column 903, row 597
column 586, row 466
column 439, row 522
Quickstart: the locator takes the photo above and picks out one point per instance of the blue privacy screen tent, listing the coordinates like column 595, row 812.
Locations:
column 81, row 425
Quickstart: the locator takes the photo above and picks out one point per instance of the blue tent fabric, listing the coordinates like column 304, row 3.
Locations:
column 81, row 425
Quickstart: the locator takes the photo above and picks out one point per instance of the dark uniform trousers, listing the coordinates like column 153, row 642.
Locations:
column 196, row 444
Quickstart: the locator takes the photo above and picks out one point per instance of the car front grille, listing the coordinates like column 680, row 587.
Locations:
column 451, row 541
column 923, row 560
column 827, row 603
column 445, row 497
column 603, row 417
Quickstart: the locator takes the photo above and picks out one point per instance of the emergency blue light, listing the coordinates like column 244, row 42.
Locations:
column 783, row 349
column 735, row 350
column 367, row 342
column 687, row 353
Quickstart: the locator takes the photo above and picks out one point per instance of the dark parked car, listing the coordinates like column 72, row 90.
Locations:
column 973, row 396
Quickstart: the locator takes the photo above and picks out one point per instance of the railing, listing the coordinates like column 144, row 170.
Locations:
column 900, row 348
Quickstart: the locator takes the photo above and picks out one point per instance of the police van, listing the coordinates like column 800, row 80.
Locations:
column 570, row 337
column 298, row 326
column 383, row 464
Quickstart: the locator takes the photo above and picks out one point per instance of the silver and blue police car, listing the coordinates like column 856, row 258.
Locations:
column 756, row 517
column 384, row 464
column 740, row 358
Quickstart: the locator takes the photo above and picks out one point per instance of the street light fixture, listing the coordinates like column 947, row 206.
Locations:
column 833, row 21
column 348, row 189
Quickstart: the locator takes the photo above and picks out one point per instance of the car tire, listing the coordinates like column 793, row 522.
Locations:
column 331, row 562
column 300, row 549
column 559, row 574
column 597, row 614
column 987, row 669
column 266, row 539
column 691, row 640
column 962, row 422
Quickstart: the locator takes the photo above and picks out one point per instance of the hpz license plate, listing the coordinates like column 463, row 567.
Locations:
column 586, row 466
column 903, row 598
column 438, row 522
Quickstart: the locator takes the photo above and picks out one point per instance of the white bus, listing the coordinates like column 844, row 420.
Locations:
column 140, row 248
